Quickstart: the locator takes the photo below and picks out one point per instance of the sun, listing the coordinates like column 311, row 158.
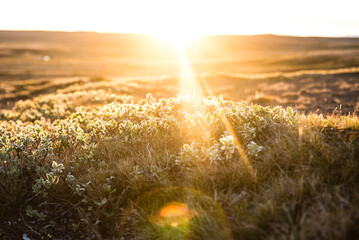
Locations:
column 177, row 38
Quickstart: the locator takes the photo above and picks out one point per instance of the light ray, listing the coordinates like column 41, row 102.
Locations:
column 188, row 80
column 191, row 84
column 230, row 129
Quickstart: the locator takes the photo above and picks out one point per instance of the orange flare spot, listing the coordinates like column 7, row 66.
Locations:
column 173, row 214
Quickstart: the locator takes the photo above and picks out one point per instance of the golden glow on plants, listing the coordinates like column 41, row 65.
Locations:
column 89, row 166
column 191, row 84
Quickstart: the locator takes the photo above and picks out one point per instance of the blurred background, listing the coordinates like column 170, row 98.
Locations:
column 242, row 51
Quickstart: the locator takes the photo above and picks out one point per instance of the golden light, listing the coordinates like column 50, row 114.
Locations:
column 173, row 214
column 191, row 84
column 177, row 38
column 188, row 81
column 176, row 213
column 200, row 16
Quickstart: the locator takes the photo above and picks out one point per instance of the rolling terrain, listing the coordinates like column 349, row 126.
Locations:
column 308, row 74
column 98, row 142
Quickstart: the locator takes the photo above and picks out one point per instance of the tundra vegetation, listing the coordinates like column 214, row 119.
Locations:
column 82, row 163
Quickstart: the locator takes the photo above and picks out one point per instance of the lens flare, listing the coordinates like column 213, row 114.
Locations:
column 173, row 214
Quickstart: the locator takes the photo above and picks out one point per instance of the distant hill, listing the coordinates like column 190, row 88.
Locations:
column 145, row 44
column 115, row 54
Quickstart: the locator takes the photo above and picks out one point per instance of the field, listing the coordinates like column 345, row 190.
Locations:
column 97, row 141
column 308, row 74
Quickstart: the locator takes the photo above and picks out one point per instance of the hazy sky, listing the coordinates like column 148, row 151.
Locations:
column 288, row 17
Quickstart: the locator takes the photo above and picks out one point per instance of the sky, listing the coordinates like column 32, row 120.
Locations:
column 185, row 17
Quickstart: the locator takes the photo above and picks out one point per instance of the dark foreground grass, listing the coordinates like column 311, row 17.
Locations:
column 74, row 167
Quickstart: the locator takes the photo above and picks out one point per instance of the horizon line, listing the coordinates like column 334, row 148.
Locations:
column 201, row 35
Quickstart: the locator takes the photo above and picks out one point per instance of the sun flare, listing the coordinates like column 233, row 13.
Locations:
column 177, row 38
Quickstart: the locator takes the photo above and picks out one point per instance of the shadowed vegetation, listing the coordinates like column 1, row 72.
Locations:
column 73, row 166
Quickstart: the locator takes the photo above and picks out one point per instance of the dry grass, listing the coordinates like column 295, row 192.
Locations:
column 86, row 157
column 108, row 171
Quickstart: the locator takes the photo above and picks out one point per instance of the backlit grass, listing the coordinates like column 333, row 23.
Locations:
column 91, row 165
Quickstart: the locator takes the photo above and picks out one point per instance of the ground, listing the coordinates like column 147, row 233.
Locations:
column 308, row 74
column 98, row 143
